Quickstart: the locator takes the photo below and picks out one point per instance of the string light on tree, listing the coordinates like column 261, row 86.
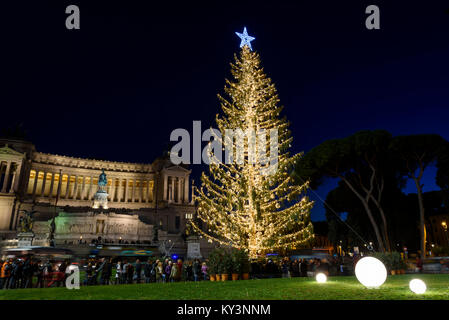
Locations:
column 239, row 205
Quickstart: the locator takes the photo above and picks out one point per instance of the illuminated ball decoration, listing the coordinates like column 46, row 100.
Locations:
column 370, row 272
column 417, row 286
column 321, row 278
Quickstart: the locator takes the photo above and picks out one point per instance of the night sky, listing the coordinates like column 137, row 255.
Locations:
column 136, row 70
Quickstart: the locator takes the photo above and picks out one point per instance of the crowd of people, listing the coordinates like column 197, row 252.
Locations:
column 16, row 273
column 27, row 272
column 287, row 267
column 158, row 270
column 105, row 271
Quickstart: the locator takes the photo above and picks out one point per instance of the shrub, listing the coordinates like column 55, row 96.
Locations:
column 228, row 260
column 441, row 251
column 391, row 260
column 214, row 259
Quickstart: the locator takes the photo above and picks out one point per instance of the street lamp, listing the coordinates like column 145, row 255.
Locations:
column 444, row 225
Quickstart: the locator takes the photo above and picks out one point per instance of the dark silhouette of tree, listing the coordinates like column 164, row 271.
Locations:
column 416, row 153
column 361, row 162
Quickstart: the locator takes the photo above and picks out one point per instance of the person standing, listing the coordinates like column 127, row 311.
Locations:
column 28, row 271
column 168, row 271
column 179, row 270
column 106, row 271
column 189, row 271
column 204, row 271
column 147, row 271
column 14, row 274
column 89, row 273
column 130, row 273
column 174, row 272
column 304, row 268
column 118, row 273
column 196, row 269
column 5, row 274
column 62, row 275
column 124, row 272
column 40, row 269
column 419, row 264
column 138, row 274
column 159, row 272
column 285, row 269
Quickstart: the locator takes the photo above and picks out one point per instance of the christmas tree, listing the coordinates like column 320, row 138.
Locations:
column 253, row 204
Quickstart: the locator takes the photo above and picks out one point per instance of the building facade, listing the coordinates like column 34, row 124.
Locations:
column 141, row 198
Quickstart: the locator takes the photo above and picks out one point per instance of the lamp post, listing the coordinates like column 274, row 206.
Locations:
column 444, row 225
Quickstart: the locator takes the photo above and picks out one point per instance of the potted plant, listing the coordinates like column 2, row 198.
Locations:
column 213, row 261
column 236, row 264
column 395, row 262
column 226, row 264
column 245, row 265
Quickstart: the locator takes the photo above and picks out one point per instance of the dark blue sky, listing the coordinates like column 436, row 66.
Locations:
column 135, row 71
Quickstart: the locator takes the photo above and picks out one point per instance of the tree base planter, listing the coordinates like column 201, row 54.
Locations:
column 212, row 277
column 224, row 277
column 245, row 276
column 235, row 276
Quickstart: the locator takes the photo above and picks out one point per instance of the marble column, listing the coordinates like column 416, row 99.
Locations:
column 52, row 182
column 191, row 200
column 75, row 187
column 67, row 189
column 36, row 176
column 126, row 190
column 147, row 192
column 186, row 189
column 173, row 189
column 90, row 193
column 140, row 190
column 170, row 190
column 111, row 198
column 2, row 164
column 165, row 190
column 119, row 190
column 133, row 191
column 44, row 182
column 16, row 180
column 5, row 181
column 11, row 190
column 83, row 188
column 179, row 190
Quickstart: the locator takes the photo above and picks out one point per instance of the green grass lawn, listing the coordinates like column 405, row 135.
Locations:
column 340, row 288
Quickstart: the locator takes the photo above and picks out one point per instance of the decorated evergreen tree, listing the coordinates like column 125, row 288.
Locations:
column 253, row 204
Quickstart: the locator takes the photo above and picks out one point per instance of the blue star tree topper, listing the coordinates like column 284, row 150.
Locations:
column 246, row 39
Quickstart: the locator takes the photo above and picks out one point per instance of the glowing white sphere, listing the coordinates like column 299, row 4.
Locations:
column 417, row 286
column 370, row 272
column 321, row 278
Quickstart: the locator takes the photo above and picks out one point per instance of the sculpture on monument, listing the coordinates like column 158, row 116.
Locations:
column 101, row 196
column 26, row 221
column 26, row 234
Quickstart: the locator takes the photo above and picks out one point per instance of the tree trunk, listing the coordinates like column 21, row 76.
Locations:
column 384, row 222
column 375, row 227
column 421, row 218
column 368, row 212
